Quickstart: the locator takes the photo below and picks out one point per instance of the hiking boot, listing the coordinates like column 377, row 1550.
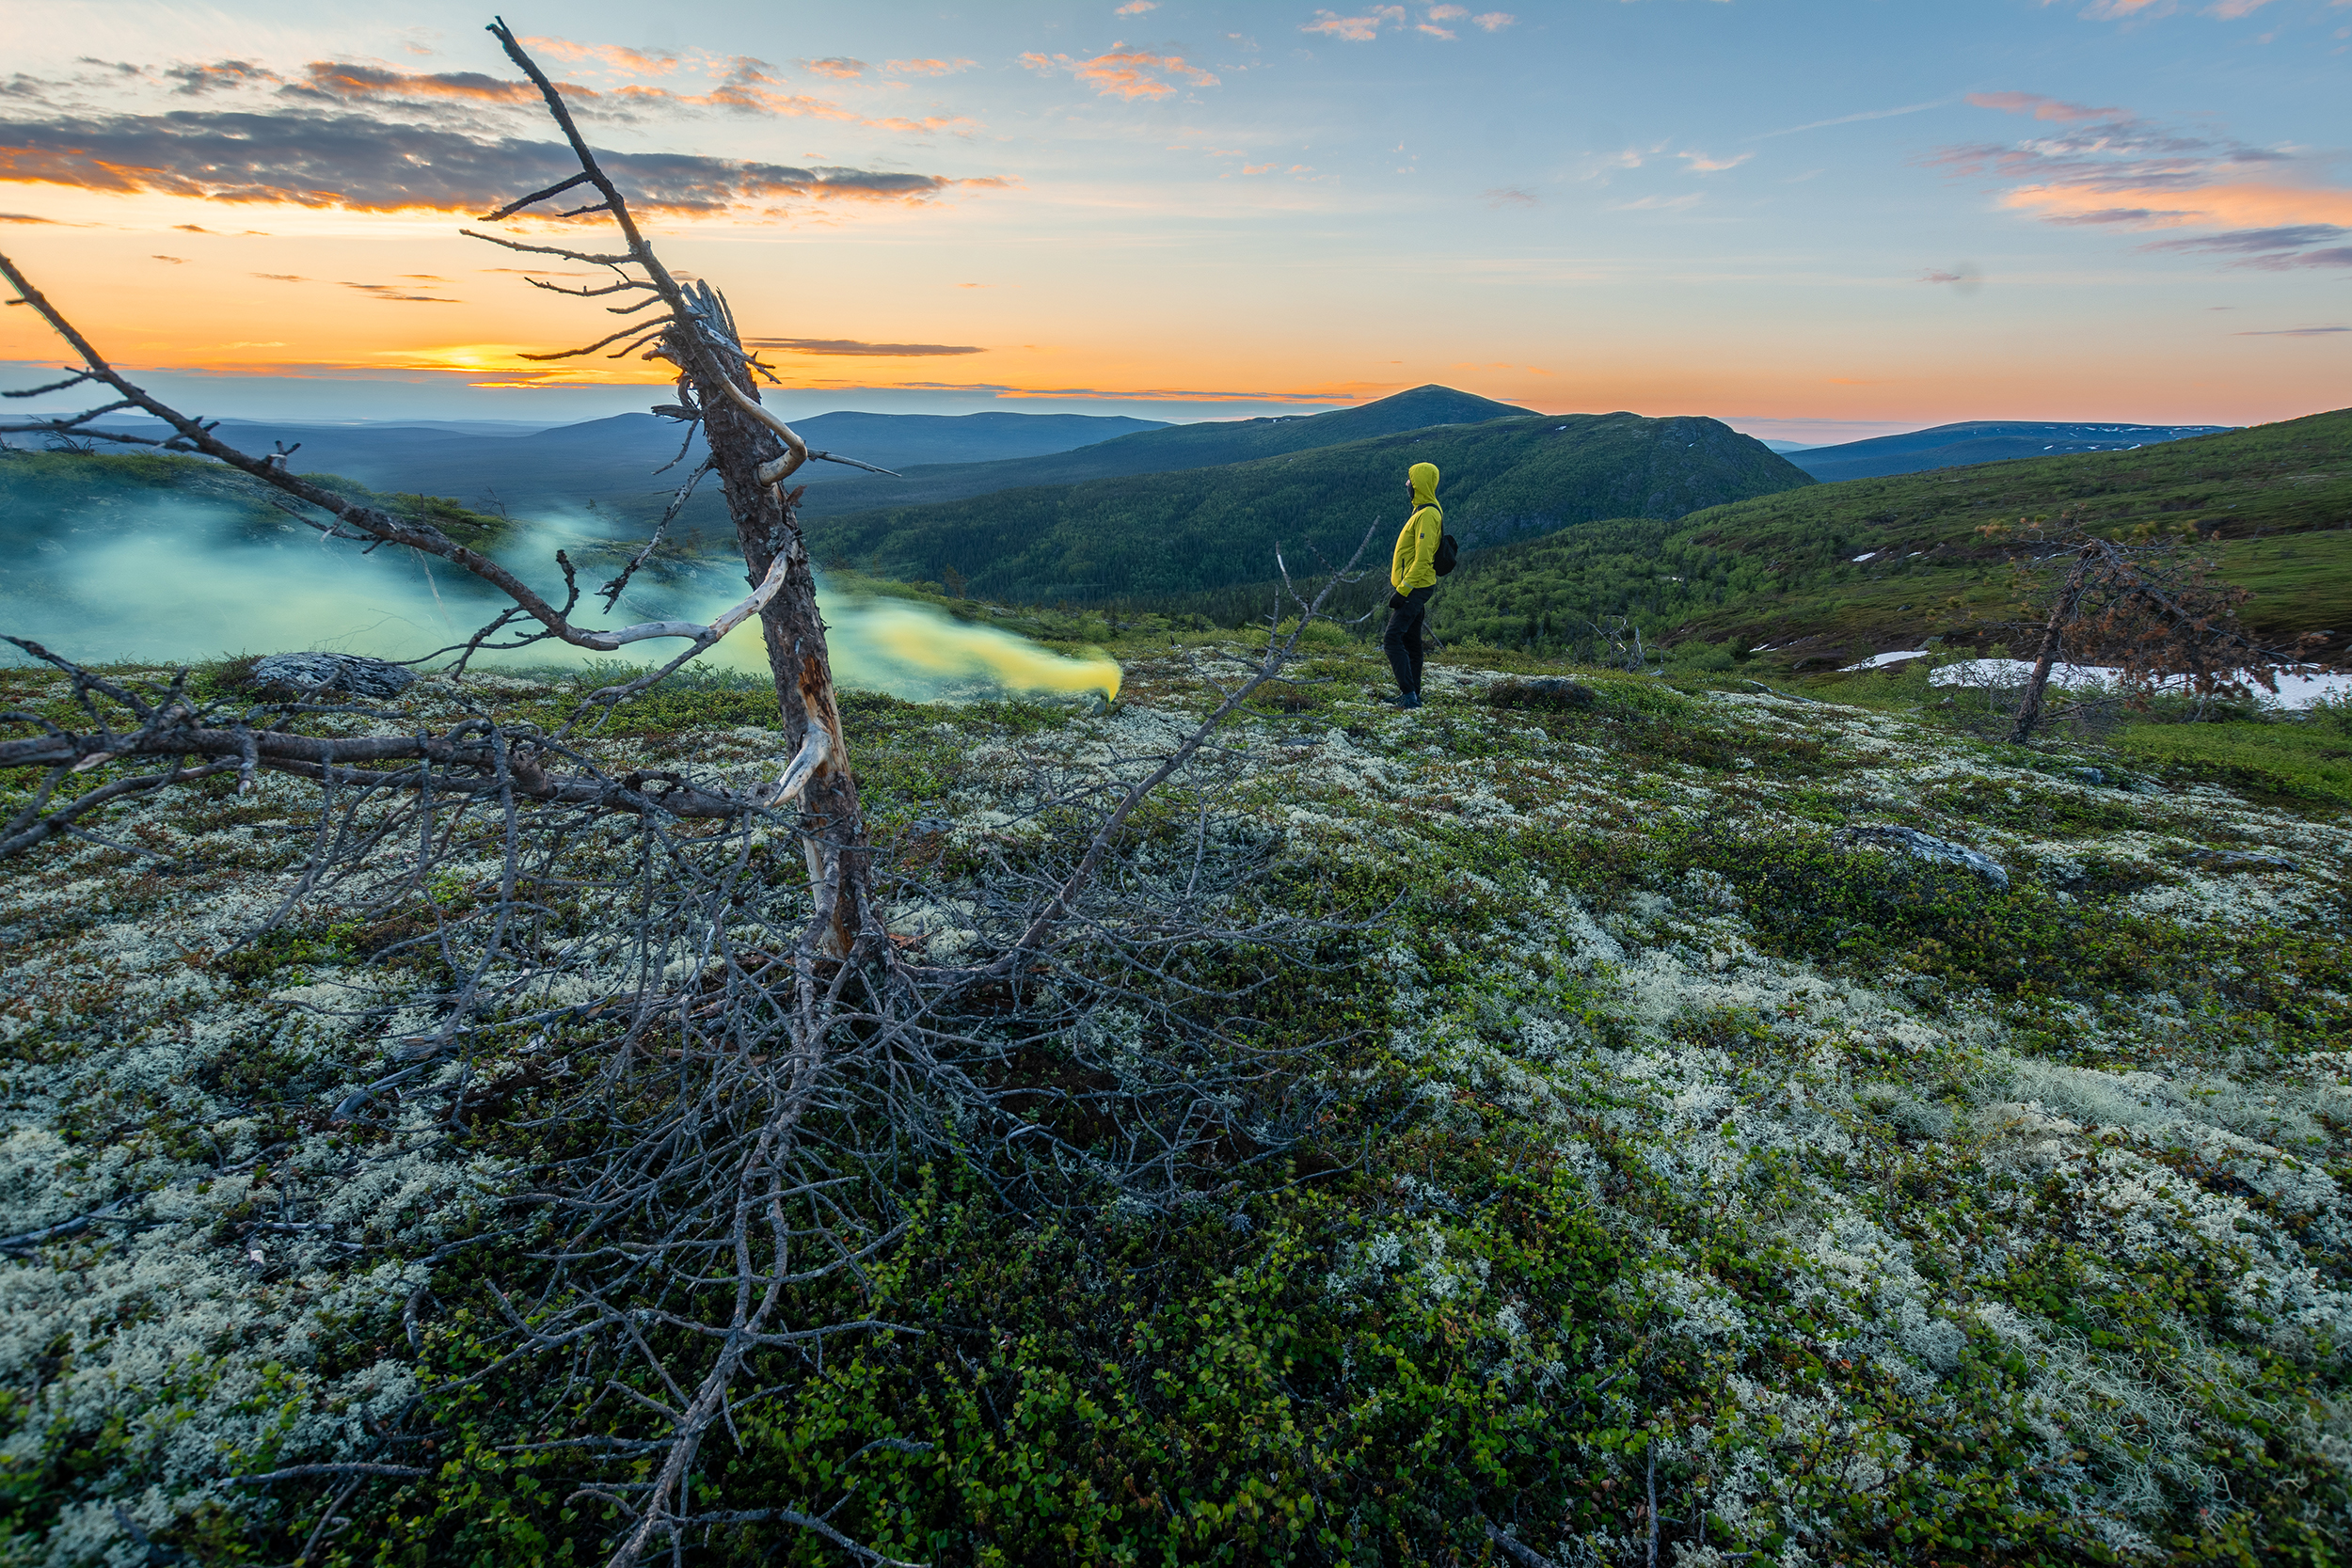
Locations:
column 1403, row 699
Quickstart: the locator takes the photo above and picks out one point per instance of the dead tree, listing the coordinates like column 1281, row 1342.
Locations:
column 751, row 450
column 755, row 1042
column 2153, row 612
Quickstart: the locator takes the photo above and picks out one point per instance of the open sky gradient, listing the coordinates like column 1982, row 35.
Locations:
column 1815, row 218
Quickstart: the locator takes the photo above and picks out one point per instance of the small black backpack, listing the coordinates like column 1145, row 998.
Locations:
column 1448, row 550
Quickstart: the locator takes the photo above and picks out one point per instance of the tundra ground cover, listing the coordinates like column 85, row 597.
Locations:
column 1689, row 1161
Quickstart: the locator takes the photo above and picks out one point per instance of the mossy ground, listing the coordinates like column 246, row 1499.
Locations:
column 1870, row 1209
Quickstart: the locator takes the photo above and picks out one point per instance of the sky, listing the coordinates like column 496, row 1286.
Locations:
column 1814, row 219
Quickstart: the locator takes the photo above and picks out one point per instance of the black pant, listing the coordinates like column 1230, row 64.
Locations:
column 1403, row 638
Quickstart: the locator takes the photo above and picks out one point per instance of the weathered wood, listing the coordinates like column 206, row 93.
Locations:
column 2052, row 638
column 766, row 531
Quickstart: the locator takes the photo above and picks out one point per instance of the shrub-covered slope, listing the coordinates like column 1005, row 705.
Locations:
column 1174, row 532
column 1841, row 569
column 1674, row 1133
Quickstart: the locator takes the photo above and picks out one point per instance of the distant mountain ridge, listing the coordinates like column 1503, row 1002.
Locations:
column 1183, row 531
column 1209, row 444
column 1974, row 441
column 613, row 461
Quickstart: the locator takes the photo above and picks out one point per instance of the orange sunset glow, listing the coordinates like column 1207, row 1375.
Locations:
column 1204, row 211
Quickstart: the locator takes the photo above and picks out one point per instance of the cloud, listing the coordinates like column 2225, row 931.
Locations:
column 27, row 217
column 2341, row 256
column 369, row 163
column 1849, row 119
column 1355, row 29
column 1363, row 29
column 175, row 261
column 1508, row 195
column 853, row 348
column 339, row 80
column 2109, row 166
column 639, row 62
column 199, row 79
column 2295, row 332
column 1129, row 73
column 2126, row 11
column 400, row 291
column 2043, row 108
column 1137, row 8
column 2289, row 237
column 1699, row 163
column 395, row 291
column 746, row 86
column 1173, row 394
column 839, row 67
column 927, row 67
column 957, row 123
column 2147, row 217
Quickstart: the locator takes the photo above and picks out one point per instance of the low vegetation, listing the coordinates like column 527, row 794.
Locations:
column 1829, row 574
column 1672, row 1157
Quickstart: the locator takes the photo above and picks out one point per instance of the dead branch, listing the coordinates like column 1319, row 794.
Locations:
column 709, row 1011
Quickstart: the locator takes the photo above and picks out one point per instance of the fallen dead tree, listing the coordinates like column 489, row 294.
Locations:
column 685, row 994
column 2149, row 608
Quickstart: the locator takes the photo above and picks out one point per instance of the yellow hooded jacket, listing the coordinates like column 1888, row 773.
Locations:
column 1414, row 564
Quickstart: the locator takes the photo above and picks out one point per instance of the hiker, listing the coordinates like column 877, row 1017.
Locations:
column 1413, row 572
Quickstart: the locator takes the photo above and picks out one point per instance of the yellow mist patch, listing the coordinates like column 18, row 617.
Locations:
column 880, row 634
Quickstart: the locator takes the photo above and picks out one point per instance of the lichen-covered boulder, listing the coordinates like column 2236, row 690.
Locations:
column 352, row 674
column 1910, row 841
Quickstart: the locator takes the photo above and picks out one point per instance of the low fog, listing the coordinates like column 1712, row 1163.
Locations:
column 168, row 579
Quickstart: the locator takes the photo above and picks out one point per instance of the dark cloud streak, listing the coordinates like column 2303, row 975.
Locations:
column 851, row 347
column 368, row 163
column 2288, row 237
column 2337, row 256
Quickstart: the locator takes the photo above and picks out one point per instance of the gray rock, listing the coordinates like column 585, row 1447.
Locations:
column 1554, row 692
column 1910, row 841
column 349, row 675
column 2235, row 860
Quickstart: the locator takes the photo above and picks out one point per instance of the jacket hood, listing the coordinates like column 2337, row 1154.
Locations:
column 1424, row 478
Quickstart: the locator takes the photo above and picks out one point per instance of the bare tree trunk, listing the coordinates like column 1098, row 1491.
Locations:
column 766, row 528
column 753, row 452
column 2052, row 638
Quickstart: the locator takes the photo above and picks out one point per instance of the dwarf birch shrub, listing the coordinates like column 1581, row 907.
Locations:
column 1652, row 1134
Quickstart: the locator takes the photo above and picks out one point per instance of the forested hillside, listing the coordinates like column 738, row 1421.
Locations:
column 1210, row 443
column 1876, row 564
column 1176, row 532
column 1974, row 441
